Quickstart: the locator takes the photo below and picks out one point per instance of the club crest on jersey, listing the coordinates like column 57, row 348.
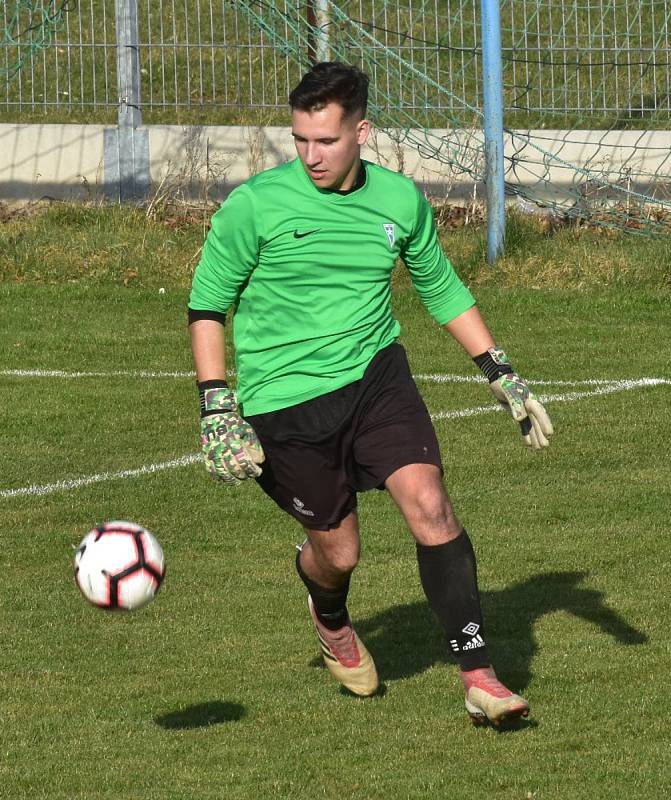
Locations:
column 390, row 230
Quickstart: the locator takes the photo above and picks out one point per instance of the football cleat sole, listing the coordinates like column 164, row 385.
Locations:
column 485, row 709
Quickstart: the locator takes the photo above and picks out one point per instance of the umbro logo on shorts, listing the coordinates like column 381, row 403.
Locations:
column 301, row 234
column 300, row 507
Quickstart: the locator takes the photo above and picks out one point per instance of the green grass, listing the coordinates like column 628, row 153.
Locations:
column 215, row 689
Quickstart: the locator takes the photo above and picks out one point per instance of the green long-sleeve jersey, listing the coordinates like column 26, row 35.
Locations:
column 309, row 272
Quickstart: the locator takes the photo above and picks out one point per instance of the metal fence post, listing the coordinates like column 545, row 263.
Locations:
column 492, row 81
column 318, row 17
column 127, row 147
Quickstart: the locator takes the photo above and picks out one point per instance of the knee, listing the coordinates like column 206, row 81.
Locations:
column 430, row 505
column 432, row 515
column 341, row 564
column 338, row 561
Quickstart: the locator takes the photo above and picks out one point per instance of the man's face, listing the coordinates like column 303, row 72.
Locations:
column 328, row 144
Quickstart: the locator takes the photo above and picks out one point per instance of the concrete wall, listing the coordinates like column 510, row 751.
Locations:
column 70, row 161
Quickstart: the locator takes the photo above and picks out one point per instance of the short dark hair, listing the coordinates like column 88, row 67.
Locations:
column 331, row 82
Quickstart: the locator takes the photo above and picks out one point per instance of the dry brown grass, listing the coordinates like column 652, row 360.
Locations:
column 160, row 244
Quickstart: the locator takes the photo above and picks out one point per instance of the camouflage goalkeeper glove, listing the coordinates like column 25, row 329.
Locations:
column 515, row 396
column 231, row 449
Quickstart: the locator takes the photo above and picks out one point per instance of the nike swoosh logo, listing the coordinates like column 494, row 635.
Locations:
column 301, row 234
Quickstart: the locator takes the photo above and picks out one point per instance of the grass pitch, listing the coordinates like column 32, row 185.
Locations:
column 215, row 690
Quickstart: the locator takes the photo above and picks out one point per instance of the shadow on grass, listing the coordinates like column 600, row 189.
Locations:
column 202, row 715
column 405, row 640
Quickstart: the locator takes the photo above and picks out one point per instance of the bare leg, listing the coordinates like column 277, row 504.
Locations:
column 325, row 563
column 446, row 560
column 449, row 576
column 329, row 557
column 417, row 489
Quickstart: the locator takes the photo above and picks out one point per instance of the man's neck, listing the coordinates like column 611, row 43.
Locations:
column 356, row 182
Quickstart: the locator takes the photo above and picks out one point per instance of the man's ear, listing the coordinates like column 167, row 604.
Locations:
column 362, row 131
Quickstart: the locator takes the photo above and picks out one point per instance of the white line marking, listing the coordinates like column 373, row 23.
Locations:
column 449, row 378
column 427, row 377
column 60, row 486
column 616, row 386
column 611, row 388
column 76, row 483
column 58, row 373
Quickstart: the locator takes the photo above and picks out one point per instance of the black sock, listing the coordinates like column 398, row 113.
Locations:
column 449, row 578
column 330, row 604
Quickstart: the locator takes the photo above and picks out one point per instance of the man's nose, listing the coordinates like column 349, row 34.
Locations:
column 312, row 154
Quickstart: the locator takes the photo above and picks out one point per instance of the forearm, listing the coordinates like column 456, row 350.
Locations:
column 471, row 331
column 208, row 349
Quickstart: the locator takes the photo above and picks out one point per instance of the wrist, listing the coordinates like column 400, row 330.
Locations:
column 215, row 396
column 494, row 363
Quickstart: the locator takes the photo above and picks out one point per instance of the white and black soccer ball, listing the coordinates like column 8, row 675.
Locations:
column 119, row 565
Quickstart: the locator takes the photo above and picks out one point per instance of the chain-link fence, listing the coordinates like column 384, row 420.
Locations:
column 200, row 60
column 204, row 60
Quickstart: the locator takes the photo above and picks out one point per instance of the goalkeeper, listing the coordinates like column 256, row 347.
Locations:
column 326, row 406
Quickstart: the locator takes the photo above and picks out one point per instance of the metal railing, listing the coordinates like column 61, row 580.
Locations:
column 204, row 60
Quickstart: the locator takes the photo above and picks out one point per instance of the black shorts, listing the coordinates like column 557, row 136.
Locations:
column 320, row 453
